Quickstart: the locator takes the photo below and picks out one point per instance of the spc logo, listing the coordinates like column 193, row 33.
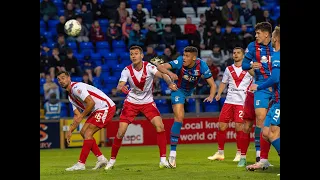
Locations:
column 43, row 135
column 134, row 135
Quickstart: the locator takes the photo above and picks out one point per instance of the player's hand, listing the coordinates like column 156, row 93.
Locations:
column 173, row 76
column 218, row 96
column 253, row 87
column 173, row 87
column 125, row 89
column 69, row 134
column 208, row 99
column 256, row 65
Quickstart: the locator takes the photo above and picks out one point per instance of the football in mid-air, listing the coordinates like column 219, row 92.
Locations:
column 72, row 27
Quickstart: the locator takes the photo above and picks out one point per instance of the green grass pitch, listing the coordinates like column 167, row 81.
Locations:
column 141, row 163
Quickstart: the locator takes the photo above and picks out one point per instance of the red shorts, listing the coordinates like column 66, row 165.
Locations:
column 130, row 111
column 231, row 112
column 249, row 113
column 101, row 117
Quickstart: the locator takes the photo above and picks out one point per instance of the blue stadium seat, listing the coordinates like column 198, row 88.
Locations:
column 96, row 56
column 133, row 4
column 76, row 78
column 51, row 45
column 102, row 45
column 96, row 82
column 86, row 45
column 72, row 45
column 42, row 24
column 119, row 47
column 191, row 105
column 162, row 105
column 223, row 30
column 64, row 110
column 125, row 56
column 116, row 69
column 236, row 30
column 79, row 56
column 42, row 30
column 53, row 23
column 144, row 31
column 61, row 12
column 54, row 32
column 70, row 110
column 47, row 34
column 105, row 70
column 103, row 51
column 221, row 101
column 87, row 52
column 276, row 10
column 182, row 43
column 211, row 107
column 250, row 29
column 106, row 90
column 126, row 62
column 104, row 23
column 111, row 81
column 111, row 58
column 42, row 81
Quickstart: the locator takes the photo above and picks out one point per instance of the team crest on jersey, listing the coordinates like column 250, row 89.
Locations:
column 264, row 59
column 175, row 61
column 79, row 91
column 247, row 50
column 196, row 72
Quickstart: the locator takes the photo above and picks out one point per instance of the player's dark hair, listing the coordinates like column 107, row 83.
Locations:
column 242, row 50
column 277, row 32
column 63, row 72
column 191, row 49
column 136, row 47
column 264, row 27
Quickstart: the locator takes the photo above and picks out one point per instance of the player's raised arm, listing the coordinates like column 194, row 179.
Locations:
column 164, row 68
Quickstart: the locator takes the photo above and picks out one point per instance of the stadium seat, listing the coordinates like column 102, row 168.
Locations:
column 126, row 62
column 42, row 30
column 117, row 69
column 181, row 21
column 125, row 56
column 96, row 82
column 72, row 45
column 130, row 11
column 102, row 45
column 166, row 21
column 189, row 11
column 96, row 57
column 147, row 12
column 61, row 12
column 53, row 23
column 211, row 107
column 201, row 10
column 195, row 20
column 87, row 52
column 47, row 34
column 86, row 45
column 104, row 23
column 182, row 43
column 221, row 101
column 105, row 70
column 147, row 5
column 42, row 24
column 236, row 30
column 111, row 81
column 118, row 46
column 133, row 4
column 191, row 105
column 76, row 78
column 150, row 21
column 162, row 105
column 64, row 110
column 51, row 45
column 206, row 53
column 250, row 29
column 79, row 56
column 223, row 30
column 110, row 58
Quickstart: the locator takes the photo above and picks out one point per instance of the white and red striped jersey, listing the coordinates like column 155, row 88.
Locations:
column 141, row 83
column 79, row 91
column 239, row 82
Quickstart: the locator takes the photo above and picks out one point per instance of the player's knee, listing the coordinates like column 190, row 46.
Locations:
column 239, row 127
column 273, row 133
column 178, row 118
column 159, row 127
column 120, row 134
column 265, row 133
column 88, row 134
column 222, row 126
column 247, row 128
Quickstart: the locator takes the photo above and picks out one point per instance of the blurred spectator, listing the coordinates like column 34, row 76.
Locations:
column 217, row 37
column 96, row 33
column 114, row 93
column 52, row 107
column 207, row 39
column 45, row 65
column 213, row 68
column 245, row 37
column 50, row 87
column 71, row 64
column 152, row 38
column 159, row 25
column 109, row 9
column 201, row 33
column 156, row 86
column 203, row 21
column 230, row 14
column 159, row 7
column 230, row 38
column 218, row 81
column 213, row 15
column 246, row 16
column 96, row 10
column 90, row 67
column 194, row 39
column 136, row 37
column 113, row 33
column 189, row 28
column 168, row 37
column 69, row 12
column 75, row 3
column 84, row 33
column 139, row 16
column 126, row 28
column 48, row 10
column 62, row 47
column 175, row 8
column 57, row 62
column 266, row 18
column 151, row 53
column 60, row 26
column 85, row 79
column 87, row 16
column 166, row 56
column 257, row 11
column 219, row 56
column 175, row 28
column 122, row 13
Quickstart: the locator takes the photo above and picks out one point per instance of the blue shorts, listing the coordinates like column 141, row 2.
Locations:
column 273, row 116
column 179, row 96
column 262, row 98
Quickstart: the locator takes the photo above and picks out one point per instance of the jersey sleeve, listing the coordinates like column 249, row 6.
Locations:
column 80, row 91
column 152, row 69
column 177, row 64
column 204, row 69
column 225, row 77
column 248, row 56
column 124, row 75
column 73, row 107
column 275, row 62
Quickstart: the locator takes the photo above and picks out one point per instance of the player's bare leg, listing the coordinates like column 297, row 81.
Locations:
column 221, row 141
column 88, row 144
column 178, row 110
column 161, row 140
column 274, row 137
column 260, row 117
column 239, row 132
column 123, row 126
column 245, row 141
